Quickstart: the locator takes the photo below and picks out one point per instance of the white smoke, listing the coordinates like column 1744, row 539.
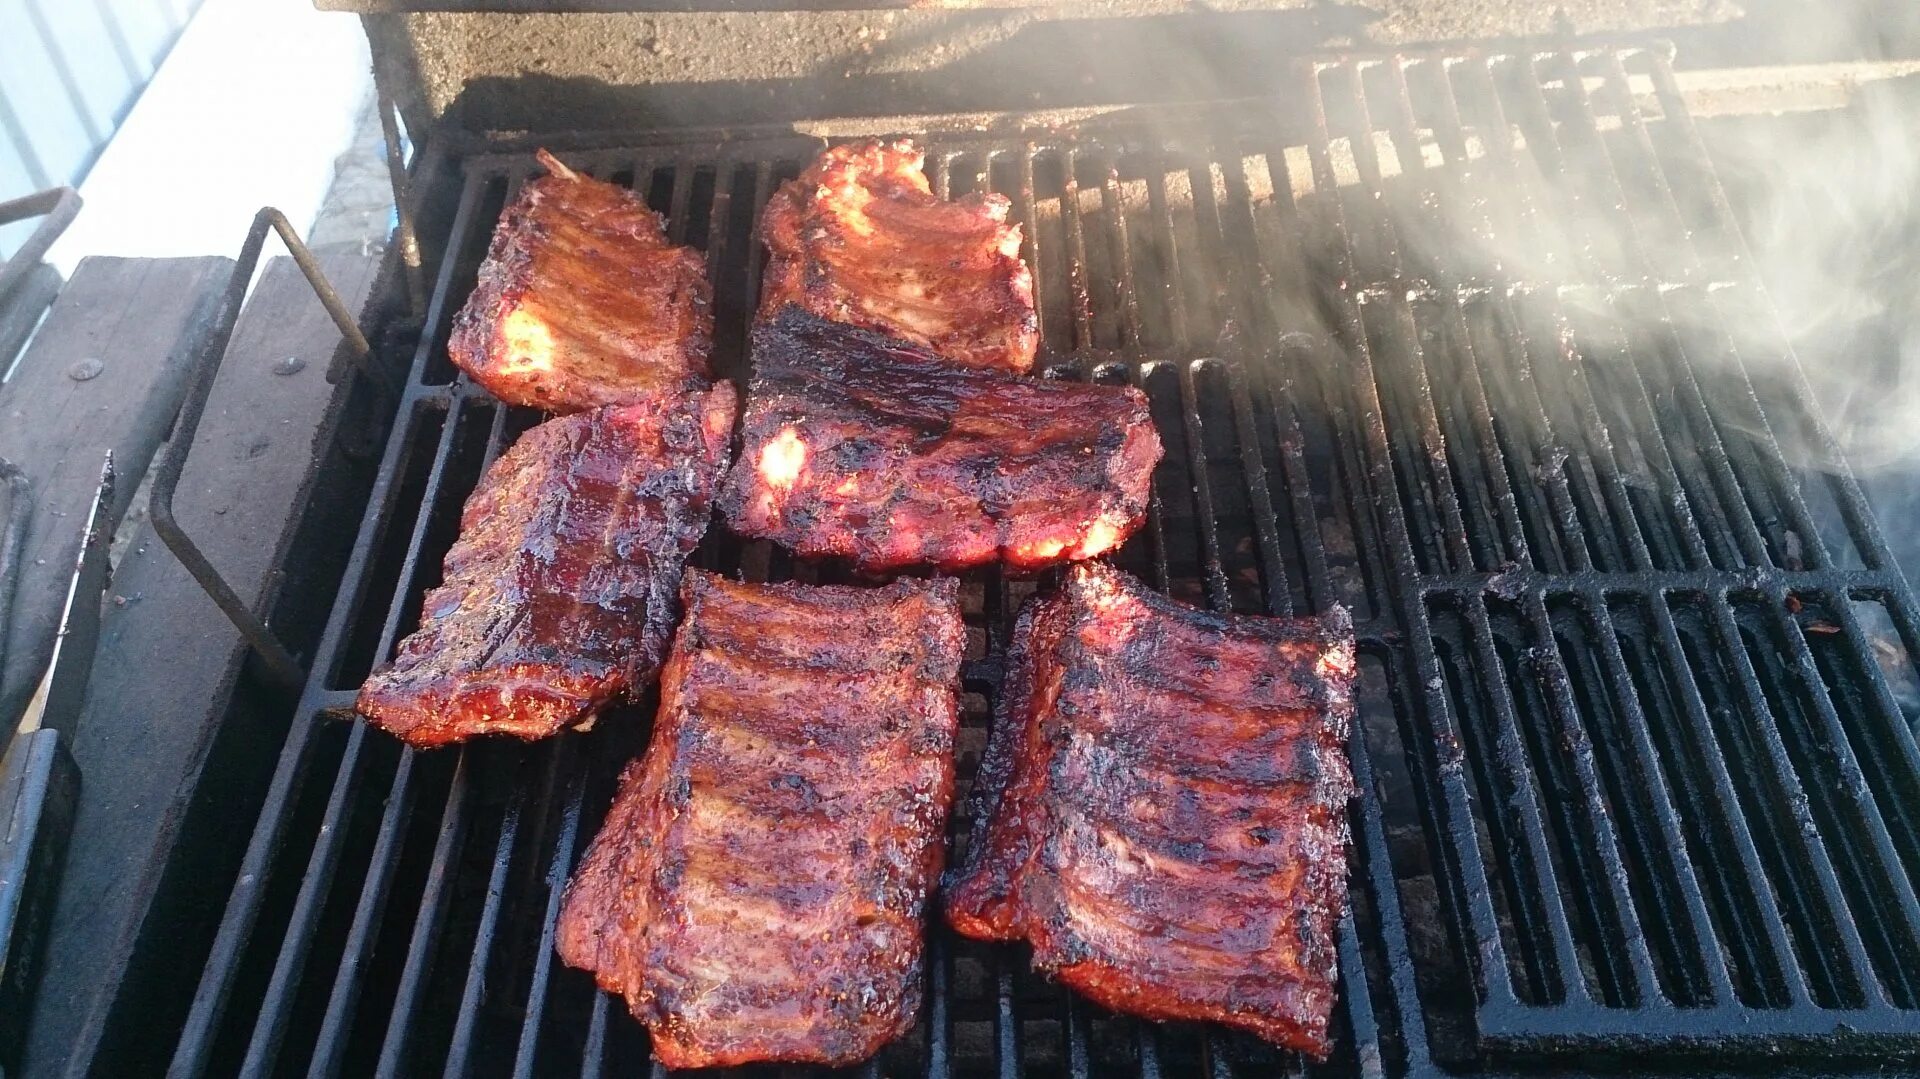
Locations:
column 1829, row 204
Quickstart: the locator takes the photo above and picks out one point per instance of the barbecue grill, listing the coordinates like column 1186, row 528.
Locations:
column 1640, row 794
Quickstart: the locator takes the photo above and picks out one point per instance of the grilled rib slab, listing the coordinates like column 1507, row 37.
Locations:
column 860, row 238
column 1161, row 809
column 757, row 890
column 582, row 302
column 868, row 448
column 560, row 591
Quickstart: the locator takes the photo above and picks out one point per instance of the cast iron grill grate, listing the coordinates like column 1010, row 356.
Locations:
column 1463, row 342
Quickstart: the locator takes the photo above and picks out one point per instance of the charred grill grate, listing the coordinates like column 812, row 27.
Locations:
column 1636, row 777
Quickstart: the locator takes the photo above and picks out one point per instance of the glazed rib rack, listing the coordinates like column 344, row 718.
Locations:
column 1637, row 778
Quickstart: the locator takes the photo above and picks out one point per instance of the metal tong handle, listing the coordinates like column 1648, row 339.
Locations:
column 280, row 661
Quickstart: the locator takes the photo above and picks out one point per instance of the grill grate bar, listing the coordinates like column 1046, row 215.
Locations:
column 566, row 849
column 756, row 255
column 1671, row 842
column 682, row 197
column 719, row 217
column 1852, row 501
column 939, row 1056
column 1006, row 1016
column 271, row 1022
column 476, row 982
column 1024, row 201
column 426, row 926
column 1272, row 566
column 1548, row 233
column 1571, row 563
column 1377, row 472
column 1218, row 594
column 1771, row 463
column 1733, row 511
column 1166, row 248
column 1079, row 292
column 1127, row 295
column 1156, row 529
column 593, row 1056
column 1079, row 1061
column 366, row 916
column 1628, row 979
column 1146, row 1045
column 1410, row 379
column 1858, row 974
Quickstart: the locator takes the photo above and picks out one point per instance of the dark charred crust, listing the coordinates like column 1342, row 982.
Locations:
column 860, row 238
column 1162, row 807
column 806, row 812
column 559, row 593
column 898, row 458
column 581, row 302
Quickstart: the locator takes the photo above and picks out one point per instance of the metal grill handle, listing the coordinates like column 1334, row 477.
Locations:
column 57, row 206
column 280, row 661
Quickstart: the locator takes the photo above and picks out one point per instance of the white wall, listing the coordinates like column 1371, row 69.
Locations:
column 254, row 103
column 69, row 72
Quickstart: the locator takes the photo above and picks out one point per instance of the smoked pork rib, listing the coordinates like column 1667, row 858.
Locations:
column 560, row 591
column 875, row 450
column 757, row 890
column 1161, row 808
column 860, row 238
column 582, row 302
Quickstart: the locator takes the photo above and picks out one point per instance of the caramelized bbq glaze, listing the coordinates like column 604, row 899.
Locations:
column 874, row 450
column 860, row 238
column 1161, row 809
column 560, row 591
column 758, row 889
column 582, row 302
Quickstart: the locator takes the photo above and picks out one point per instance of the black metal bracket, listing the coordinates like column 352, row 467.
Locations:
column 13, row 542
column 406, row 233
column 58, row 206
column 280, row 661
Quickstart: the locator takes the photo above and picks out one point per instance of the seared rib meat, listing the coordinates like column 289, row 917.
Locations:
column 757, row 890
column 559, row 593
column 861, row 446
column 860, row 238
column 1162, row 807
column 582, row 302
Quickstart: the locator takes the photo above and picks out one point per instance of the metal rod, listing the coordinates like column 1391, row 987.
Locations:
column 57, row 207
column 275, row 1005
column 281, row 663
column 406, row 232
column 426, row 924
